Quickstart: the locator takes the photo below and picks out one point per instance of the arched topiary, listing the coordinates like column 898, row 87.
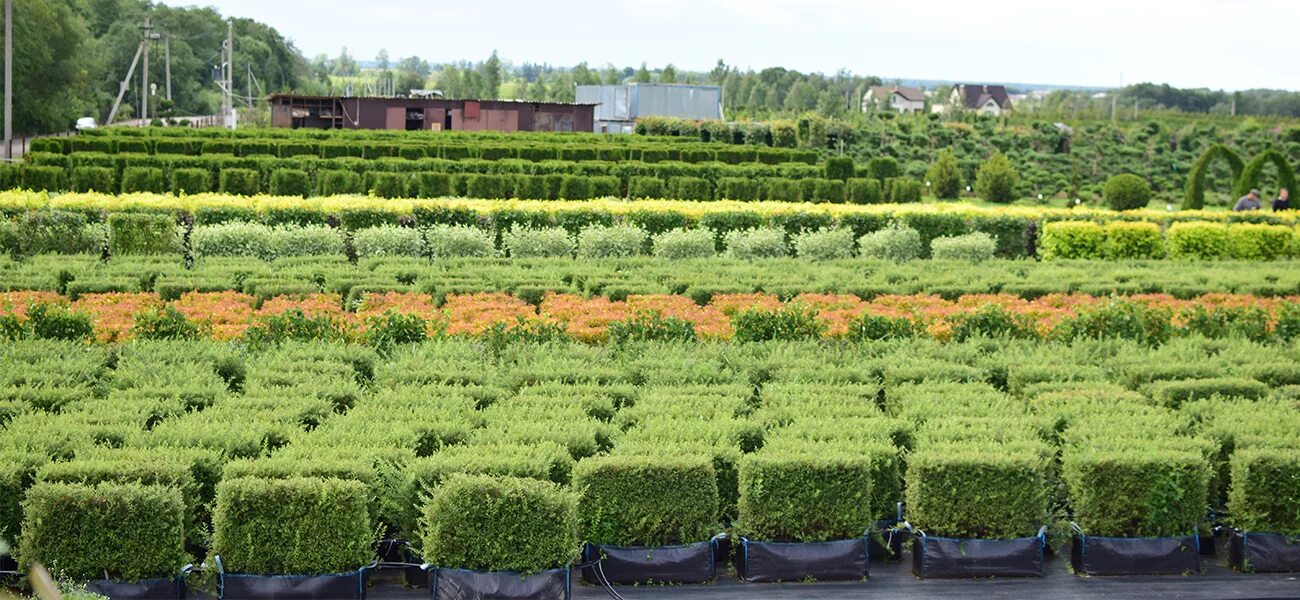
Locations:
column 1249, row 177
column 1194, row 195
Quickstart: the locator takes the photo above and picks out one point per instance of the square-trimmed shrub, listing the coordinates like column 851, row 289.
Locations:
column 641, row 187
column 972, row 247
column 94, row 179
column 457, row 241
column 978, row 490
column 904, row 189
column 814, row 492
column 240, row 182
column 649, row 500
column 690, row 188
column 1265, row 490
column 306, row 240
column 500, row 524
column 575, row 187
column 606, row 186
column 143, row 179
column 387, row 240
column 864, row 191
column 160, row 470
column 1137, row 490
column 33, row 177
column 1126, row 240
column 612, row 241
column 1197, row 241
column 430, row 185
column 1175, row 393
column 299, row 526
column 530, row 187
column 128, row 531
column 142, row 233
column 17, row 473
column 235, row 238
column 537, row 242
column 191, row 181
column 334, row 182
column 386, row 185
column 782, row 189
column 1258, row 241
column 57, row 232
column 827, row 190
column 739, row 188
column 677, row 244
column 489, row 186
column 290, row 182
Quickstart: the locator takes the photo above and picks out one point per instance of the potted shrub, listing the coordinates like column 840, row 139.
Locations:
column 1262, row 498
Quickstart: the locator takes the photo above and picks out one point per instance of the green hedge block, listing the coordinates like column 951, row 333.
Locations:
column 1071, row 240
column 605, row 186
column 17, row 473
column 690, row 188
column 142, row 179
column 127, row 531
column 160, row 470
column 300, row 526
column 171, row 146
column 1177, row 392
column 500, row 524
column 1265, row 490
column 490, row 187
column 335, row 183
column 649, row 500
column 125, row 146
column 978, row 490
column 1197, row 241
column 645, row 187
column 575, row 187
column 240, row 182
column 431, row 185
column 191, row 181
column 864, row 191
column 386, row 185
column 290, row 182
column 37, row 178
column 739, row 188
column 94, row 179
column 142, row 233
column 1139, row 490
column 56, row 232
column 785, row 190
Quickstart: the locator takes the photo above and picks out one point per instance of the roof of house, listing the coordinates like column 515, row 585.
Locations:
column 976, row 96
column 908, row 93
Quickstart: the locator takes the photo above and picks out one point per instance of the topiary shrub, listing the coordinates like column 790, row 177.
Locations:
column 997, row 179
column 1126, row 192
column 897, row 242
column 491, row 187
column 386, row 185
column 240, row 182
column 783, row 190
column 761, row 242
column 575, row 187
column 142, row 179
column 1126, row 240
column 690, row 188
column 1197, row 241
column 864, row 191
column 839, row 167
column 337, row 183
column 191, row 181
column 645, row 187
column 945, row 177
column 1071, row 240
column 739, row 188
column 648, row 500
column 1012, row 479
column 290, row 182
column 811, row 492
column 882, row 168
column 1138, row 490
column 94, row 179
column 455, row 241
column 1194, row 194
column 904, row 189
column 679, row 244
column 126, row 532
column 1257, row 241
column 824, row 244
column 56, row 232
column 32, row 177
column 500, row 524
column 1180, row 391
column 613, row 241
column 542, row 242
column 972, row 247
column 431, row 185
column 299, row 526
column 233, row 239
column 1265, row 489
column 142, row 233
column 387, row 240
column 306, row 240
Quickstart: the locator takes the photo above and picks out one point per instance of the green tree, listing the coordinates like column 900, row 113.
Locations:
column 381, row 60
column 51, row 60
column 997, row 179
column 492, row 77
column 945, row 176
column 668, row 75
column 412, row 74
column 642, row 75
column 345, row 65
column 802, row 97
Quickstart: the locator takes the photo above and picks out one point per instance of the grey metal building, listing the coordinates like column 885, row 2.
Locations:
column 619, row 106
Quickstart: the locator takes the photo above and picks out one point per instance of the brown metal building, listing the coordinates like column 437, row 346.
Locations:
column 331, row 112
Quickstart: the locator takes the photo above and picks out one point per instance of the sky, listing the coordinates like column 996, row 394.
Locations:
column 1219, row 44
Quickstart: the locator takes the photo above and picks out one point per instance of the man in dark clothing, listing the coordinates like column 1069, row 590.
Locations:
column 1248, row 202
column 1283, row 201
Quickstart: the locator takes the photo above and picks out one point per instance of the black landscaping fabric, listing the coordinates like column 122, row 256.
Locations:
column 940, row 558
column 1264, row 552
column 1092, row 555
column 151, row 589
column 342, row 586
column 462, row 584
column 840, row 560
column 687, row 563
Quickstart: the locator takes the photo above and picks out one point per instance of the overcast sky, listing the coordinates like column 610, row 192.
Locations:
column 1230, row 44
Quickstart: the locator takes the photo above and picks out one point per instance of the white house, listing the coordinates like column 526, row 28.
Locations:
column 896, row 98
column 983, row 99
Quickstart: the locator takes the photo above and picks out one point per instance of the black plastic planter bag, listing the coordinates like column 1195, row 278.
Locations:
column 1091, row 555
column 1264, row 552
column 940, row 557
column 840, row 560
column 149, row 589
column 463, row 584
column 687, row 563
column 337, row 586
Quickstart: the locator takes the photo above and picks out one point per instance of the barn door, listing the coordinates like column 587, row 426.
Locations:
column 395, row 118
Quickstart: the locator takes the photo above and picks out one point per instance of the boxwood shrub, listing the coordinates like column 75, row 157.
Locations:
column 386, row 185
column 336, row 182
column 142, row 233
column 864, row 191
column 299, row 526
column 430, row 185
column 191, row 181
column 94, row 179
column 142, row 179
column 240, row 182
column 1176, row 392
column 387, row 240
column 1071, row 240
column 1137, row 489
column 978, row 489
column 1126, row 240
column 127, row 531
column 690, row 188
column 1126, row 192
column 1265, row 490
column 1258, row 241
column 1203, row 241
column 649, row 500
column 639, row 187
column 500, row 524
column 32, row 177
column 290, row 182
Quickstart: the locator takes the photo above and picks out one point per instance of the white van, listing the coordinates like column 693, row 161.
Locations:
column 86, row 123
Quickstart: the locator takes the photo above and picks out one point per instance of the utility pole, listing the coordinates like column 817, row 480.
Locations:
column 144, row 76
column 230, row 74
column 249, row 81
column 126, row 82
column 167, row 68
column 9, row 78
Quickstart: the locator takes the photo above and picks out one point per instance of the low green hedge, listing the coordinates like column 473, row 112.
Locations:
column 94, row 179
column 1176, row 392
column 649, row 500
column 978, row 489
column 1265, row 490
column 143, row 179
column 1136, row 489
column 1198, row 241
column 191, row 181
column 142, row 233
column 500, row 524
column 240, row 182
column 125, row 531
column 299, row 526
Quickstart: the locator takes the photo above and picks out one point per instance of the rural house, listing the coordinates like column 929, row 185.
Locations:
column 893, row 97
column 980, row 98
column 427, row 113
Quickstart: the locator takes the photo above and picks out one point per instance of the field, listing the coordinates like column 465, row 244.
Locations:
column 303, row 382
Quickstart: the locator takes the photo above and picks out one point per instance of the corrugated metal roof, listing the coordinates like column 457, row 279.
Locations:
column 273, row 97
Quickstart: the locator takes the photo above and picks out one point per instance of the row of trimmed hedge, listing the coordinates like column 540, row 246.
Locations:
column 1186, row 240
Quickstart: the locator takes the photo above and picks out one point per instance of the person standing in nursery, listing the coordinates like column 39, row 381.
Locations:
column 1248, row 202
column 1283, row 201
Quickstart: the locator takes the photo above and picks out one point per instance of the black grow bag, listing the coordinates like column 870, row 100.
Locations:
column 941, row 557
column 686, row 563
column 840, row 560
column 334, row 586
column 149, row 589
column 1264, row 552
column 463, row 584
column 1090, row 555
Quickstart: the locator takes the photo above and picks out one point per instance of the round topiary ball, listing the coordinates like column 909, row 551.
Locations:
column 1127, row 192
